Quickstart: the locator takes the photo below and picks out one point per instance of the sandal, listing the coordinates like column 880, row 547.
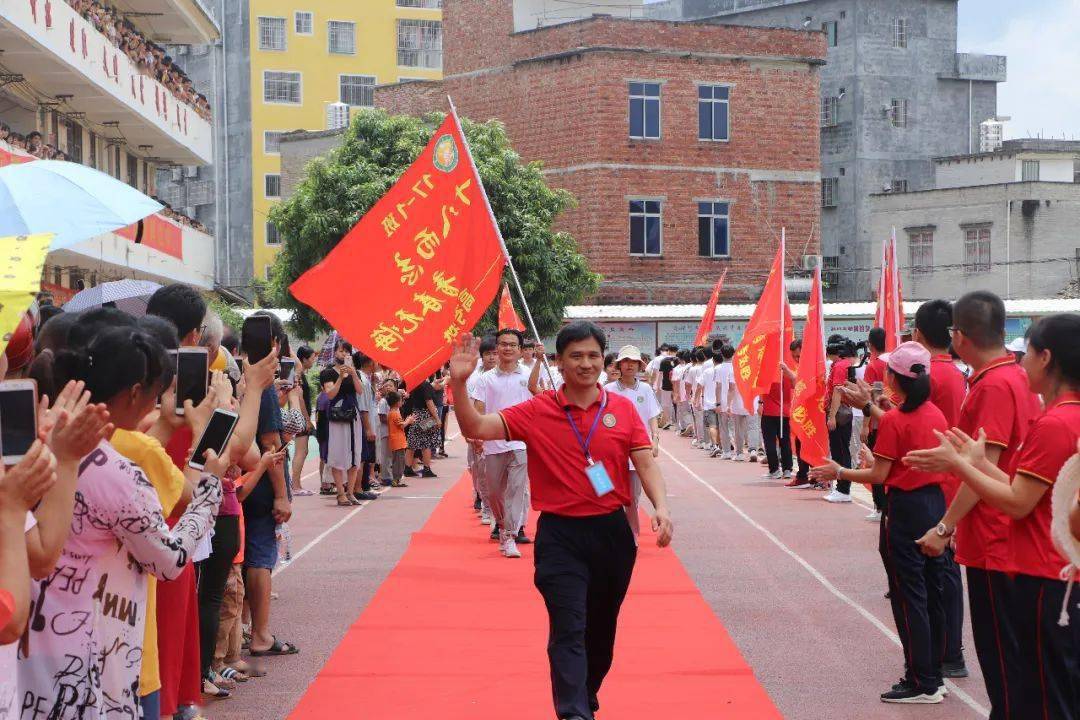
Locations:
column 277, row 648
column 211, row 690
column 343, row 501
column 221, row 681
column 233, row 674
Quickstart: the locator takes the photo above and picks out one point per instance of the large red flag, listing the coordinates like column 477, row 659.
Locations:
column 890, row 302
column 419, row 268
column 808, row 403
column 508, row 317
column 709, row 318
column 767, row 337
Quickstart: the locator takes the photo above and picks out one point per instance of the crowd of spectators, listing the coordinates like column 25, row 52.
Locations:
column 151, row 57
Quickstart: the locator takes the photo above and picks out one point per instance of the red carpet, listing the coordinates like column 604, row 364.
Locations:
column 458, row 632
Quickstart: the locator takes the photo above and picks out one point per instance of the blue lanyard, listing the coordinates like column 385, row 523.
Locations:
column 584, row 442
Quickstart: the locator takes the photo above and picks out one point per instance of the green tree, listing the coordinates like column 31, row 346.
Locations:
column 376, row 150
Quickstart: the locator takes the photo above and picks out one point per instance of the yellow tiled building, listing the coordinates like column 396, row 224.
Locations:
column 308, row 54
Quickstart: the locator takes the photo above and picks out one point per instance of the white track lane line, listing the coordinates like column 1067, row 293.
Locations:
column 816, row 574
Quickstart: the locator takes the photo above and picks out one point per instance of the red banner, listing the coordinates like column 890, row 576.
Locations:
column 890, row 301
column 431, row 262
column 9, row 155
column 508, row 317
column 767, row 338
column 709, row 318
column 808, row 404
column 158, row 233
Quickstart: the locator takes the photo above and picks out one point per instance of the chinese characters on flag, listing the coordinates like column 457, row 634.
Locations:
column 808, row 404
column 508, row 317
column 890, row 301
column 767, row 338
column 709, row 318
column 431, row 259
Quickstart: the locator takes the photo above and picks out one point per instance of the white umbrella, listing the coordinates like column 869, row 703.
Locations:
column 130, row 296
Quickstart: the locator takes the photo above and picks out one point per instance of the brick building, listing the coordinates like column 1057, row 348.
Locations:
column 687, row 145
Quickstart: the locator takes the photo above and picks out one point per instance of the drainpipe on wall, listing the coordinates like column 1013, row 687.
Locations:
column 971, row 119
column 1008, row 246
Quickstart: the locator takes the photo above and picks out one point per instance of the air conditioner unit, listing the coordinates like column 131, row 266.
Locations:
column 337, row 116
column 810, row 262
column 181, row 49
column 177, row 174
column 191, row 171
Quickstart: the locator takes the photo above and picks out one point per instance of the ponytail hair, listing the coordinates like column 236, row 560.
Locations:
column 916, row 389
column 115, row 360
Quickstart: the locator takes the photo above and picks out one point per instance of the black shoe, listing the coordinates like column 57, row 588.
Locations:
column 954, row 669
column 912, row 696
column 904, row 684
column 476, row 503
column 494, row 531
column 522, row 538
column 366, row 495
column 327, row 491
column 427, row 473
column 409, row 472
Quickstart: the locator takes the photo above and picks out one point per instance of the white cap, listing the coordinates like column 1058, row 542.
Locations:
column 1017, row 345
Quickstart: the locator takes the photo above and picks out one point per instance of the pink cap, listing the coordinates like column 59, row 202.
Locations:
column 905, row 357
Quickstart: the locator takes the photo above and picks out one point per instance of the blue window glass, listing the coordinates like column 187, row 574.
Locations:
column 713, row 112
column 645, row 110
column 645, row 230
column 714, row 229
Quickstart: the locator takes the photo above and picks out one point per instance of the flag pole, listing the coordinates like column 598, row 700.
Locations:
column 783, row 292
column 502, row 242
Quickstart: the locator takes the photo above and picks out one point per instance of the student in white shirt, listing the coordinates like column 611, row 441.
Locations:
column 738, row 415
column 690, row 384
column 488, row 360
column 707, row 385
column 630, row 387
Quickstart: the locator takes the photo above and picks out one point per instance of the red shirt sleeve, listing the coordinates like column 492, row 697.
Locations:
column 887, row 444
column 997, row 421
column 873, row 372
column 7, row 607
column 518, row 419
column 1046, row 449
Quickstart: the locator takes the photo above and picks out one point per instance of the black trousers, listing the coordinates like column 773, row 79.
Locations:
column 1050, row 673
column 915, row 581
column 583, row 569
column 877, row 490
column 210, row 577
column 953, row 597
column 990, row 600
column 804, row 467
column 840, row 449
column 776, row 430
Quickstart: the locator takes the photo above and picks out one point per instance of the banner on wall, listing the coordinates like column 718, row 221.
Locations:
column 641, row 335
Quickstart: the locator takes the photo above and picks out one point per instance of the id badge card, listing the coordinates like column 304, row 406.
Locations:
column 598, row 476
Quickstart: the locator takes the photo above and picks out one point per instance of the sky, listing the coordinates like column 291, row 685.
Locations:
column 1042, row 94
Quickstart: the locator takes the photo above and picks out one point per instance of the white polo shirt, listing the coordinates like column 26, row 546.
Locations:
column 499, row 390
column 677, row 376
column 726, row 375
column 641, row 395
column 708, row 382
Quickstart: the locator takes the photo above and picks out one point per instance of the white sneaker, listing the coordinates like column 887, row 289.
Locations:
column 694, row 444
column 510, row 549
column 726, row 455
column 875, row 516
column 787, row 475
column 837, row 497
column 741, row 457
column 774, row 475
column 485, row 517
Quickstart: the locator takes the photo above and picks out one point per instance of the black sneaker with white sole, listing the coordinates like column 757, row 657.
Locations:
column 906, row 694
column 954, row 669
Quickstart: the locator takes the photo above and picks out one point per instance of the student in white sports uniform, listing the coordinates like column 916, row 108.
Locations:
column 678, row 384
column 738, row 415
column 641, row 394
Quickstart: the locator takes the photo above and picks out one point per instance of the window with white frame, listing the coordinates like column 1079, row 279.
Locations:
column 713, row 117
column 977, row 249
column 273, row 186
column 272, row 33
column 341, row 37
column 714, row 239
column 645, row 233
column 271, row 142
column 645, row 110
column 899, row 32
column 419, row 43
column 831, row 32
column 830, row 111
column 921, row 251
column 268, row 272
column 899, row 186
column 272, row 236
column 1029, row 171
column 357, row 90
column 829, row 187
column 305, row 22
column 898, row 112
column 281, row 87
column 428, row 4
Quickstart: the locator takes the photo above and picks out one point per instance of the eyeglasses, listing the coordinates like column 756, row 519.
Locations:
column 953, row 330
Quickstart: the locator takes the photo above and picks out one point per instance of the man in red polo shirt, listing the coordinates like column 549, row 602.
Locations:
column 999, row 402
column 581, row 440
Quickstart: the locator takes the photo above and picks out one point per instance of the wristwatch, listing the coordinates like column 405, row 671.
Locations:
column 866, row 408
column 943, row 531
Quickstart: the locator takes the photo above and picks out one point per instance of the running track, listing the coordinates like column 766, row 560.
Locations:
column 796, row 582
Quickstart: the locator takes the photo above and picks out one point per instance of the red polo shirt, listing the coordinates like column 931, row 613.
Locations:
column 875, row 371
column 771, row 401
column 898, row 434
column 1051, row 441
column 557, row 479
column 837, row 377
column 948, row 386
column 999, row 401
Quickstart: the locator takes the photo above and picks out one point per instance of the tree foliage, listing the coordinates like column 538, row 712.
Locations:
column 377, row 148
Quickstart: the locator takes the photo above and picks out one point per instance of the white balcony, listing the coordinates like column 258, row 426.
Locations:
column 176, row 22
column 60, row 54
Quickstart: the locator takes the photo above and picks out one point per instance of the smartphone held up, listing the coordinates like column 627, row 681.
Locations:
column 18, row 418
column 215, row 437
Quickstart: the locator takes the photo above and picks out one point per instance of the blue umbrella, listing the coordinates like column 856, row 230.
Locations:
column 72, row 201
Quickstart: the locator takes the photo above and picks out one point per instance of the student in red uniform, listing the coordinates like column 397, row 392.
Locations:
column 581, row 440
column 914, row 502
column 1000, row 402
column 875, row 373
column 1047, row 665
column 948, row 387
